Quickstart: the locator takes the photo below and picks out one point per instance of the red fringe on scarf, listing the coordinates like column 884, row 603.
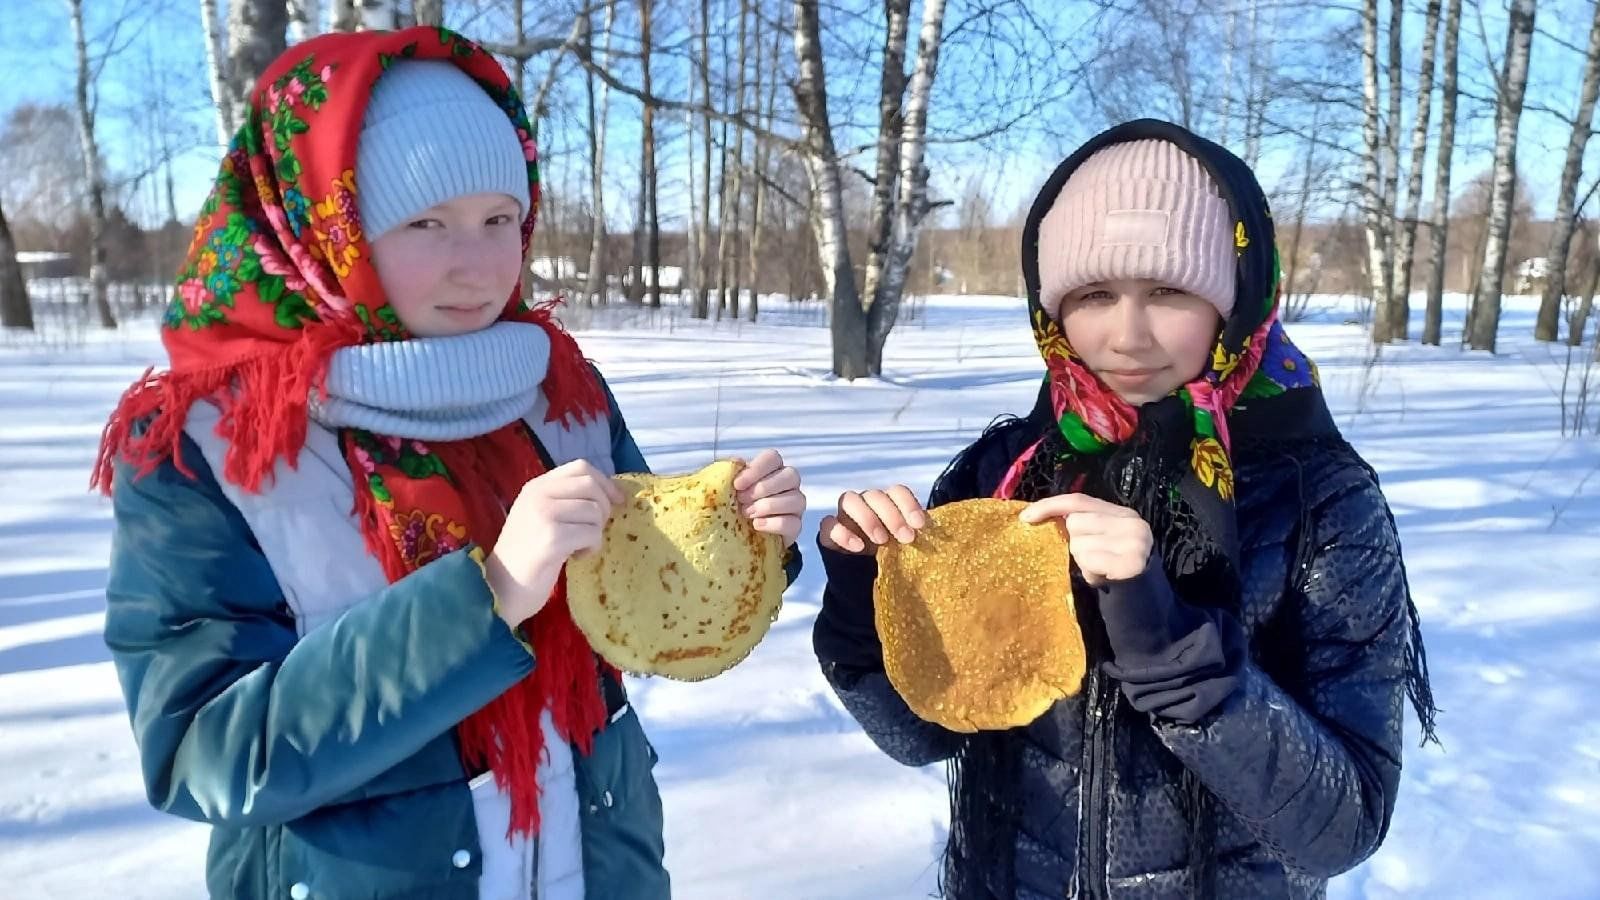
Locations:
column 263, row 398
column 574, row 391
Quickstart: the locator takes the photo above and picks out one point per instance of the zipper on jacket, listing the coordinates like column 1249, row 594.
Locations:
column 1092, row 787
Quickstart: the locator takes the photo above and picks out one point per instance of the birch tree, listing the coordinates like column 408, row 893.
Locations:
column 652, row 218
column 825, row 174
column 305, row 19
column 1374, row 200
column 1566, row 219
column 93, row 175
column 728, row 222
column 216, row 71
column 1440, row 225
column 861, row 323
column 344, row 15
column 428, row 12
column 379, row 15
column 891, row 102
column 599, row 113
column 1399, row 327
column 913, row 183
column 763, row 171
column 256, row 36
column 1484, row 322
column 701, row 306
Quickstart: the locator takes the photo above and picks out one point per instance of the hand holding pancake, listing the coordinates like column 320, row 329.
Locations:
column 769, row 496
column 555, row 515
column 1109, row 542
column 868, row 520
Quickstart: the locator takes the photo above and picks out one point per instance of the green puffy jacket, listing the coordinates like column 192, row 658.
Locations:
column 327, row 765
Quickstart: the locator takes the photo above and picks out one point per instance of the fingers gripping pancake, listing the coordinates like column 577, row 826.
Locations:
column 976, row 617
column 683, row 585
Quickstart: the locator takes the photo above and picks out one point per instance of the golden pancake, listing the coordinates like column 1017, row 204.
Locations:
column 683, row 585
column 976, row 617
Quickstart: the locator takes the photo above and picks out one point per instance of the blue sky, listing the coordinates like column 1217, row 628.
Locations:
column 162, row 37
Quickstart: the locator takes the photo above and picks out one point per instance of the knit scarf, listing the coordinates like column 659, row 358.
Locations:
column 437, row 388
column 276, row 283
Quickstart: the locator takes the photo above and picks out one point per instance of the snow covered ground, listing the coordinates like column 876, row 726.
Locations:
column 771, row 791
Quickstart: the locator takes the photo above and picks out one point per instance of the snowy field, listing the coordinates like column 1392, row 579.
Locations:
column 771, row 791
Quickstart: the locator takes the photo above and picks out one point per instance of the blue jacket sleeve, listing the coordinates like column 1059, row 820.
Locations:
column 240, row 721
column 1313, row 774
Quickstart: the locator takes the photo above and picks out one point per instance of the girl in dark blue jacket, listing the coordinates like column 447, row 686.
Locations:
column 1236, row 569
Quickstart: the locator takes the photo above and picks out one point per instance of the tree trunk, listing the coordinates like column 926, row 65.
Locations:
column 635, row 291
column 428, row 12
column 380, row 15
column 1434, row 316
column 1485, row 322
column 848, row 323
column 216, row 70
column 702, row 238
column 736, row 192
column 913, row 183
column 653, row 219
column 763, row 167
column 724, row 200
column 1291, row 281
column 305, row 19
column 344, row 15
column 1391, row 152
column 15, row 310
column 1566, row 198
column 1580, row 317
column 1375, row 209
column 1400, row 320
column 92, row 174
column 891, row 98
column 636, row 278
column 256, row 30
column 599, row 114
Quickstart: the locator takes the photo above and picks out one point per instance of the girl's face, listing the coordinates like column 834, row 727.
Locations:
column 451, row 269
column 1143, row 338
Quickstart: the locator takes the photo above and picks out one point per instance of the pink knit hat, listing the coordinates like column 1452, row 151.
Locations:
column 1143, row 209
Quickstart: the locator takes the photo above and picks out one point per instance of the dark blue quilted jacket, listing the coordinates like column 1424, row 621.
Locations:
column 1301, row 752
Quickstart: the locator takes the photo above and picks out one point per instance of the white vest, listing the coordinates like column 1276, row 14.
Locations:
column 302, row 520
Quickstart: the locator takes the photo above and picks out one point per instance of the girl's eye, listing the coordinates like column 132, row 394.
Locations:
column 426, row 224
column 1094, row 297
column 501, row 219
column 1166, row 292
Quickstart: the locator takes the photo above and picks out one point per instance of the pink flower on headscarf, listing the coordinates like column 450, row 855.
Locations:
column 193, row 292
column 273, row 263
column 365, row 460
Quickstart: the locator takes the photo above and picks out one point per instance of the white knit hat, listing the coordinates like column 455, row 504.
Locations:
column 431, row 133
column 1142, row 209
